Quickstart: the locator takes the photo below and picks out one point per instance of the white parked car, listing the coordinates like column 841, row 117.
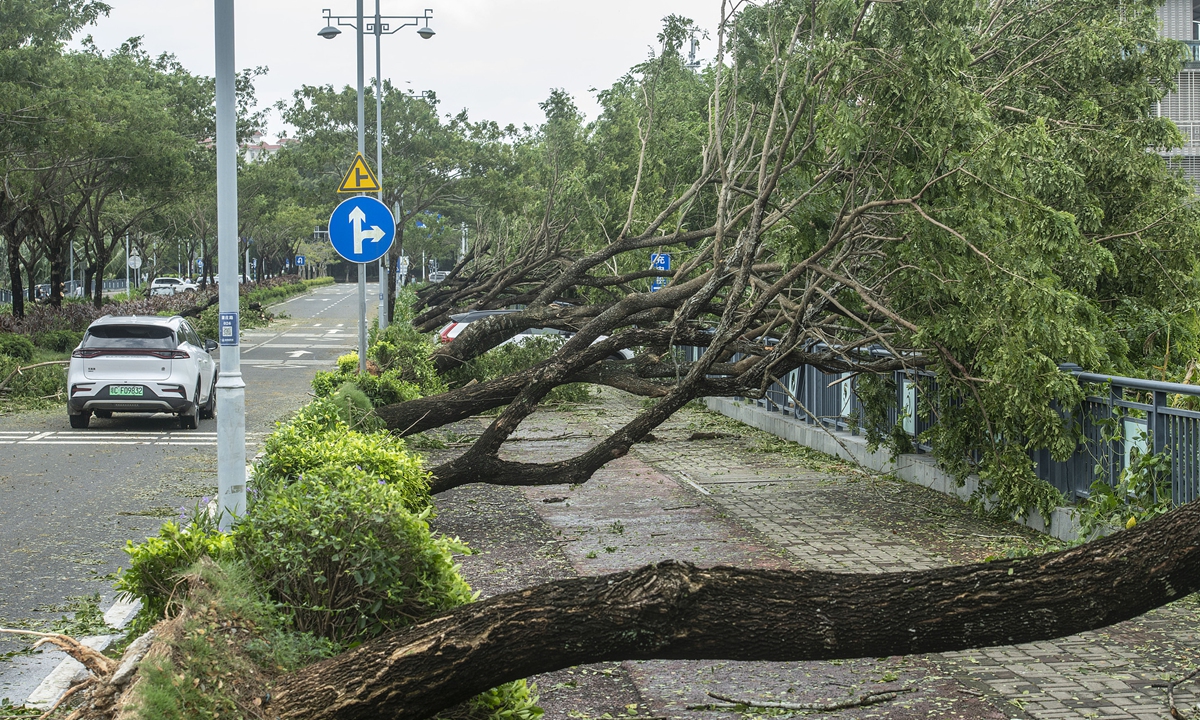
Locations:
column 460, row 321
column 142, row 363
column 171, row 286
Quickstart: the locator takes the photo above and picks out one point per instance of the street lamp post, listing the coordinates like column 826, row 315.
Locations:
column 379, row 28
column 231, row 389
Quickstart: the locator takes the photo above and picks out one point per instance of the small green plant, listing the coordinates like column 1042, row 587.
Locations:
column 1142, row 492
column 516, row 700
column 616, row 528
column 155, row 564
column 591, row 555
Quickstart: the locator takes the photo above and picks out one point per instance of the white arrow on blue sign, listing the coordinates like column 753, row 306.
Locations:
column 299, row 261
column 361, row 229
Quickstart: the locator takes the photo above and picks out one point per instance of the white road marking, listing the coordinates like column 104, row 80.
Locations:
column 84, row 437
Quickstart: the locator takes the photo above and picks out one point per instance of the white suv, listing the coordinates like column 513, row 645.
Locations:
column 170, row 286
column 142, row 363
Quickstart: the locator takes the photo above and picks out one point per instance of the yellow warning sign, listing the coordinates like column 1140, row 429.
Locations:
column 359, row 177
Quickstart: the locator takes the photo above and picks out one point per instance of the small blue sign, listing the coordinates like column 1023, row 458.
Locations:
column 299, row 261
column 253, row 262
column 660, row 261
column 227, row 324
column 361, row 229
column 658, row 284
column 199, row 263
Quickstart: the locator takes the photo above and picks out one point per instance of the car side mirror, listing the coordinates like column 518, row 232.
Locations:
column 210, row 345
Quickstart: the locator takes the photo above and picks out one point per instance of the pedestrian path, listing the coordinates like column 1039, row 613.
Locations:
column 832, row 523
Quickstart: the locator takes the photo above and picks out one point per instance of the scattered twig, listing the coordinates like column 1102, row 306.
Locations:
column 20, row 370
column 681, row 507
column 1176, row 712
column 871, row 698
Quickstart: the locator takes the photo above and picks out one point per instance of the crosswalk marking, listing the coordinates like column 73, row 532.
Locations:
column 86, row 437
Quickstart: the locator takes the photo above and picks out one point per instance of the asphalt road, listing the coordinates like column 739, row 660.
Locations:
column 69, row 499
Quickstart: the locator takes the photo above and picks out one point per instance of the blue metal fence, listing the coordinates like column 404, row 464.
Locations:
column 1119, row 419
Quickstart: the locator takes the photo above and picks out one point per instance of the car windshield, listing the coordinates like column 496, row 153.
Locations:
column 130, row 336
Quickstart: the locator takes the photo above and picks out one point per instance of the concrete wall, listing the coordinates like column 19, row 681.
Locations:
column 919, row 469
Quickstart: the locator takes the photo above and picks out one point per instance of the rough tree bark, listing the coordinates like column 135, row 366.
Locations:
column 678, row 611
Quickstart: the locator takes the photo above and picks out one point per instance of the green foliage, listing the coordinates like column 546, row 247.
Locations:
column 356, row 408
column 400, row 368
column 58, row 340
column 344, row 555
column 1142, row 492
column 16, row 346
column 156, row 564
column 219, row 661
column 34, row 387
column 515, row 356
column 516, row 700
column 318, row 438
column 403, row 349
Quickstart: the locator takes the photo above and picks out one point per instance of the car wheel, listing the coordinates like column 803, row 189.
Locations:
column 209, row 410
column 187, row 418
column 81, row 420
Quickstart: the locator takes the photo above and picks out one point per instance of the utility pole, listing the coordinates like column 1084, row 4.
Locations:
column 231, row 389
column 383, row 261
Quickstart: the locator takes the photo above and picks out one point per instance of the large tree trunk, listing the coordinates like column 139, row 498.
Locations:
column 14, row 276
column 678, row 611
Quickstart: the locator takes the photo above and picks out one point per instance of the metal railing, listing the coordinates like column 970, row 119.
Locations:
column 1119, row 419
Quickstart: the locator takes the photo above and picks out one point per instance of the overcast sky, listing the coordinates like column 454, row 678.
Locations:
column 497, row 58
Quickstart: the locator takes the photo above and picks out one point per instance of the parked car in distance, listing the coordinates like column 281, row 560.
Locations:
column 171, row 286
column 142, row 364
column 438, row 276
column 460, row 321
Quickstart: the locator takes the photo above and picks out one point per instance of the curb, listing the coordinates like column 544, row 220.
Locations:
column 70, row 671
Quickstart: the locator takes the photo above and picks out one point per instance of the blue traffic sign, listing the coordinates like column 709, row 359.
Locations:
column 658, row 284
column 361, row 229
column 199, row 262
column 660, row 261
column 299, row 261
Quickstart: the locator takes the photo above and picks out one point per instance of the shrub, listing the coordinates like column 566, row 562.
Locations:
column 393, row 385
column 16, row 346
column 404, row 349
column 319, row 438
column 217, row 661
column 58, row 340
column 341, row 551
column 156, row 564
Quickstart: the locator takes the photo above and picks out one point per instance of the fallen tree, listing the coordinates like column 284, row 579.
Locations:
column 819, row 215
column 679, row 611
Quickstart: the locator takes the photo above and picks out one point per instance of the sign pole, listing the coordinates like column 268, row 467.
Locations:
column 362, row 145
column 231, row 390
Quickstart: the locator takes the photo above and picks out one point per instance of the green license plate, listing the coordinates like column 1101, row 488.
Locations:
column 125, row 390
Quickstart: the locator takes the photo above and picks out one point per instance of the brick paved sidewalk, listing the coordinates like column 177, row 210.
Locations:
column 1104, row 674
column 747, row 499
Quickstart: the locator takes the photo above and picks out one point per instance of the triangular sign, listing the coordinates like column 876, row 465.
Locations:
column 359, row 177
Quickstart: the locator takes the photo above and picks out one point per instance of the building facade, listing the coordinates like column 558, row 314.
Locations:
column 1178, row 21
